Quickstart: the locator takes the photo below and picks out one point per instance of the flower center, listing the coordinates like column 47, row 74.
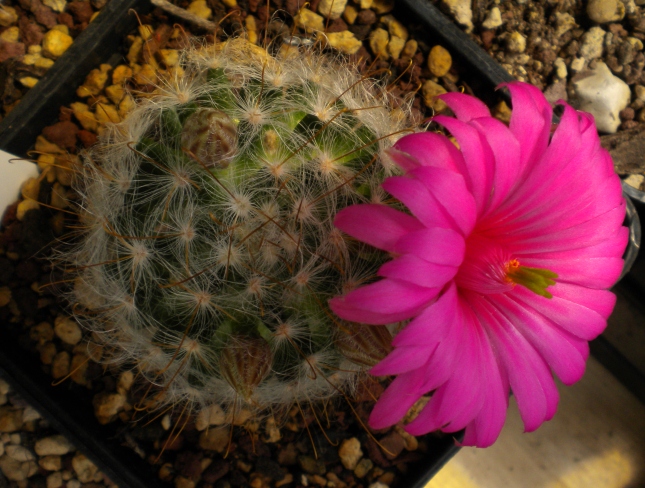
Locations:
column 488, row 268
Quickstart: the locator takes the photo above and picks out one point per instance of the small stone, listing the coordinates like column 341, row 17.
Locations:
column 19, row 453
column 560, row 68
column 309, row 21
column 10, row 419
column 55, row 43
column 12, row 34
column 28, row 81
column 515, row 43
column 363, row 467
column 126, row 379
column 379, row 39
column 439, row 61
column 230, row 3
column 603, row 11
column 395, row 46
column 344, row 41
column 395, row 28
column 47, row 353
column 564, row 22
column 592, row 44
column 121, row 74
column 107, row 406
column 272, row 431
column 183, row 482
column 311, row 465
column 635, row 181
column 16, row 470
column 214, row 439
column 381, row 6
column 410, row 48
column 603, row 95
column 84, row 468
column 106, row 113
column 211, row 415
column 60, row 365
column 9, row 50
column 147, row 75
column 94, row 82
column 200, row 9
column 56, row 5
column 392, row 445
column 68, row 330
column 170, row 57
column 350, row 14
column 51, row 463
column 25, row 206
column 84, row 116
column 577, row 65
column 8, row 16
column 430, row 90
column 115, row 93
column 462, row 12
column 350, row 453
column 332, row 9
column 502, row 112
column 55, row 480
column 493, row 19
column 5, row 296
column 639, row 91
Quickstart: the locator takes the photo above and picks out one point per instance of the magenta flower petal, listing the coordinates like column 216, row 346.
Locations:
column 502, row 268
column 377, row 225
column 384, row 302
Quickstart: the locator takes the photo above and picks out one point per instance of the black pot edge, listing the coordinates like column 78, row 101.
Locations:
column 40, row 105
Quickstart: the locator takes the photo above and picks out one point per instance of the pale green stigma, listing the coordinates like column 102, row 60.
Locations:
column 535, row 279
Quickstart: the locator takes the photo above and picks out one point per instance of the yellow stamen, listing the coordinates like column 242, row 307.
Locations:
column 535, row 279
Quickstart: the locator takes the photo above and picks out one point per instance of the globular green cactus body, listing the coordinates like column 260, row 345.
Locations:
column 210, row 252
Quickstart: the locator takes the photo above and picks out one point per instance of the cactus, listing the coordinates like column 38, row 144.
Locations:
column 209, row 253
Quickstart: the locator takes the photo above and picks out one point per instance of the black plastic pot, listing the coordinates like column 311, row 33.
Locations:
column 72, row 414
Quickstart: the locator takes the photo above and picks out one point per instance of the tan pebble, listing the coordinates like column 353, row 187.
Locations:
column 309, row 21
column 44, row 63
column 411, row 442
column 84, row 468
column 115, row 93
column 59, row 197
column 19, row 453
column 16, row 438
column 183, row 482
column 55, row 43
column 493, row 19
column 439, row 61
column 56, row 5
column 47, row 353
column 4, row 388
column 246, row 467
column 79, row 368
column 350, row 452
column 106, row 113
column 55, row 480
column 256, row 482
column 200, row 9
column 30, row 188
column 230, row 3
column 10, row 419
column 395, row 46
column 28, row 81
column 272, row 431
column 382, row 6
column 44, row 146
column 135, row 50
column 502, row 112
column 396, row 28
column 462, row 11
column 126, row 105
column 94, row 82
column 25, row 206
column 107, row 405
column 51, row 463
column 350, row 14
column 365, row 4
column 208, row 416
column 145, row 31
column 344, row 41
column 42, row 333
column 147, row 75
column 363, row 467
column 5, row 296
column 126, row 379
column 67, row 475
column 8, row 15
column 84, row 116
column 67, row 329
column 121, row 73
column 386, row 479
column 251, row 26
column 214, row 439
column 166, row 422
column 12, row 34
column 284, row 481
column 430, row 90
column 332, row 9
column 166, row 472
column 60, row 365
column 45, row 163
column 16, row 470
column 378, row 41
column 240, row 418
column 169, row 57
column 64, row 171
column 31, row 59
column 516, row 43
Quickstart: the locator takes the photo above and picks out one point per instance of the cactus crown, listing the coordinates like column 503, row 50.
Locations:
column 210, row 252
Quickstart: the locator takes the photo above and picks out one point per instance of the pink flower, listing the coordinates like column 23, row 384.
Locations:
column 503, row 265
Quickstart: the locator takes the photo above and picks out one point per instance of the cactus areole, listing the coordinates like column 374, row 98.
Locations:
column 209, row 252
